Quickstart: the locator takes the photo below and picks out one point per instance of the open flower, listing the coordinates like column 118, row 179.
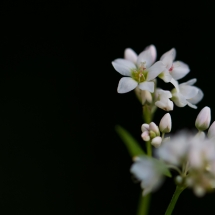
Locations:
column 174, row 70
column 187, row 94
column 140, row 71
column 146, row 170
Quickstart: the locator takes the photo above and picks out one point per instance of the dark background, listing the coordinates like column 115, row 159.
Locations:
column 59, row 153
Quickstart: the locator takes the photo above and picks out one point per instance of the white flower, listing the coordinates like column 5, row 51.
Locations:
column 146, row 171
column 211, row 131
column 166, row 123
column 174, row 150
column 140, row 72
column 203, row 119
column 163, row 101
column 187, row 94
column 174, row 70
column 195, row 155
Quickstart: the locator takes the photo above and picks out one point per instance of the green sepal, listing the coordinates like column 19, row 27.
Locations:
column 132, row 145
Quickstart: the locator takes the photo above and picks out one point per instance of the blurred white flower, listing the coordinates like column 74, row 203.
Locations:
column 187, row 94
column 140, row 71
column 195, row 155
column 174, row 70
column 146, row 170
column 203, row 119
column 163, row 99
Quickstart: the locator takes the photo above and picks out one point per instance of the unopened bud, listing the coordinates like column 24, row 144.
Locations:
column 145, row 127
column 156, row 142
column 154, row 127
column 165, row 123
column 211, row 131
column 203, row 119
column 199, row 191
column 145, row 136
column 152, row 134
column 179, row 179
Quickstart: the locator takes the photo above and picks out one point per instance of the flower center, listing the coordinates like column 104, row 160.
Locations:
column 139, row 74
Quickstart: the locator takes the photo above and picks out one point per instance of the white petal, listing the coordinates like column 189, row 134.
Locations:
column 191, row 105
column 145, row 127
column 190, row 82
column 126, row 84
column 123, row 66
column 167, row 106
column 165, row 76
column 179, row 99
column 145, row 57
column 149, row 86
column 155, row 70
column 168, row 58
column 175, row 84
column 153, row 51
column 188, row 91
column 180, row 69
column 130, row 55
column 197, row 98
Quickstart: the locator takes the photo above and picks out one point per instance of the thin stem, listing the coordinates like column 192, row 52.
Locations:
column 174, row 199
column 144, row 202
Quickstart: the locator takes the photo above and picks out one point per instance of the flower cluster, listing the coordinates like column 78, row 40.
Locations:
column 192, row 156
column 142, row 70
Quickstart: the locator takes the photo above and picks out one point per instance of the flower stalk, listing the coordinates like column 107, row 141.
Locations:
column 174, row 199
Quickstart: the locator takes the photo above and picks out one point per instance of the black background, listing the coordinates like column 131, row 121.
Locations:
column 59, row 153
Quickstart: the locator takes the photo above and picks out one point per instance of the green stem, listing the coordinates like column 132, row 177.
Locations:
column 144, row 202
column 174, row 199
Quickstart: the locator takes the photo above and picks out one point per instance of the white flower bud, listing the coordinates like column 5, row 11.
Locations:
column 156, row 142
column 179, row 179
column 165, row 123
column 145, row 127
column 203, row 119
column 144, row 96
column 154, row 127
column 211, row 131
column 199, row 191
column 145, row 136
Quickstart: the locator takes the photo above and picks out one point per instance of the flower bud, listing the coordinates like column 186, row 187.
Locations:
column 152, row 134
column 145, row 136
column 145, row 127
column 154, row 127
column 211, row 131
column 203, row 119
column 165, row 123
column 156, row 142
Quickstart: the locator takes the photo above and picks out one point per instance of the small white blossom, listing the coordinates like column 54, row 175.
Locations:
column 140, row 71
column 163, row 99
column 203, row 119
column 146, row 171
column 174, row 70
column 166, row 123
column 187, row 94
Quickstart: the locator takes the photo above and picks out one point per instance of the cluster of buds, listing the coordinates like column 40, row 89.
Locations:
column 151, row 132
